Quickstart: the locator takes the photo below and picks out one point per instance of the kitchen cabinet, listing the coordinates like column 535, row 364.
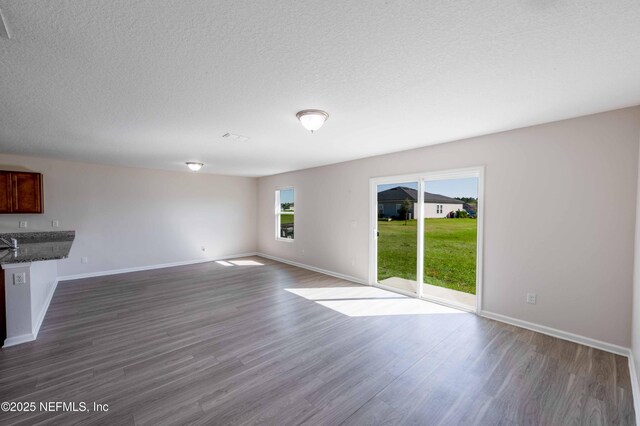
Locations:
column 20, row 192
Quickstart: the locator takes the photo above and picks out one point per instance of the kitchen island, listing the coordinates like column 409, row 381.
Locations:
column 29, row 277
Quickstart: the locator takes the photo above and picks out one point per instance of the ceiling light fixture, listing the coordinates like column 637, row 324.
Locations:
column 194, row 166
column 312, row 119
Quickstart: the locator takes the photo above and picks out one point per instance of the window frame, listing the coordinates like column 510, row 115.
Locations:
column 278, row 213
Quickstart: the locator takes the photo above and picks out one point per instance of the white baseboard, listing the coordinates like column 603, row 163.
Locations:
column 314, row 269
column 576, row 338
column 635, row 386
column 149, row 267
column 43, row 311
column 16, row 340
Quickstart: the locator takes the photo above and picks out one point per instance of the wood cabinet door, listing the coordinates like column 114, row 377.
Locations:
column 6, row 196
column 27, row 192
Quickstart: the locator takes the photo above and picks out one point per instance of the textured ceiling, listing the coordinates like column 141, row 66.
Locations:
column 155, row 83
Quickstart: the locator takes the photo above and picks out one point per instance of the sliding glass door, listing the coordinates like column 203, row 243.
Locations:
column 427, row 229
column 397, row 236
column 450, row 241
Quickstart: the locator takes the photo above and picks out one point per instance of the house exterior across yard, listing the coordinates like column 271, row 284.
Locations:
column 435, row 205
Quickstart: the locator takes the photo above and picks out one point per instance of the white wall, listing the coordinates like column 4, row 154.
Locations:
column 19, row 319
column 42, row 280
column 27, row 303
column 130, row 217
column 576, row 254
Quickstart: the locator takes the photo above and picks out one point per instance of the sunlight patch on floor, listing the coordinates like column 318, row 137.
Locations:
column 364, row 301
column 246, row 263
column 332, row 293
column 239, row 263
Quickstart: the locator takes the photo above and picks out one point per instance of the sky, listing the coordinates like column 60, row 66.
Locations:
column 467, row 187
column 286, row 196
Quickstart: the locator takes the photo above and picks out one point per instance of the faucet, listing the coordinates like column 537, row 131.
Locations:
column 13, row 245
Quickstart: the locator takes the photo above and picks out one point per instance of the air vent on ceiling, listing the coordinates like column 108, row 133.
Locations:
column 234, row 137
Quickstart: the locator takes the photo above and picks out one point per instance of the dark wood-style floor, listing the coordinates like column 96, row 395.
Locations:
column 216, row 344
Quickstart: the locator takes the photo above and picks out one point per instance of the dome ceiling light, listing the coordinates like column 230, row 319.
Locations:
column 194, row 166
column 312, row 119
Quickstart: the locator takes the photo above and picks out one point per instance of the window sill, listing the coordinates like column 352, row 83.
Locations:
column 287, row 240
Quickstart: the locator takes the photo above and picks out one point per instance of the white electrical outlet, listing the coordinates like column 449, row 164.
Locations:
column 23, row 224
column 55, row 223
column 19, row 278
column 531, row 298
column 84, row 259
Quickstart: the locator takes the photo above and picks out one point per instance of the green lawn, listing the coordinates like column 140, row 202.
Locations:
column 286, row 218
column 450, row 246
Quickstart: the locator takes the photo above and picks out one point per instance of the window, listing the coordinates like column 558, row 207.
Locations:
column 438, row 208
column 285, row 212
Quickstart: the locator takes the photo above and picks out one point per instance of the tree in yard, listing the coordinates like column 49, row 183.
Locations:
column 406, row 207
column 462, row 214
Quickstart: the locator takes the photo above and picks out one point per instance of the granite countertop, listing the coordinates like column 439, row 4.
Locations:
column 37, row 246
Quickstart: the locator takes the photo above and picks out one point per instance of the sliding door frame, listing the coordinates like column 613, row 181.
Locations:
column 421, row 179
